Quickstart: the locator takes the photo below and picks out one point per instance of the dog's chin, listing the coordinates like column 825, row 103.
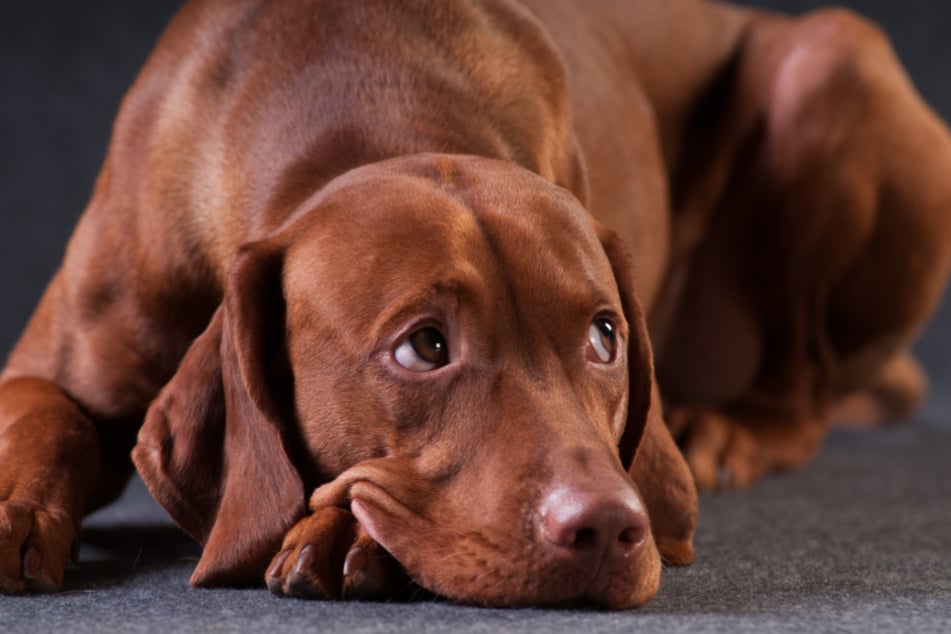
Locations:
column 499, row 568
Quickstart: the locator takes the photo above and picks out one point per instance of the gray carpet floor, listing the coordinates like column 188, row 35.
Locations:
column 858, row 542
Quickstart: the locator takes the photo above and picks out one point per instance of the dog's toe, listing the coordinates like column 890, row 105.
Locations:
column 372, row 574
column 34, row 547
column 309, row 579
column 722, row 453
column 275, row 573
column 310, row 563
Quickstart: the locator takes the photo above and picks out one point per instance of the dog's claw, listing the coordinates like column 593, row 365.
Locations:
column 371, row 573
column 305, row 560
column 355, row 561
column 37, row 578
column 273, row 577
column 301, row 583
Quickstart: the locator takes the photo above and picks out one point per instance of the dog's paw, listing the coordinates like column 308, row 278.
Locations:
column 721, row 452
column 730, row 453
column 35, row 545
column 893, row 396
column 328, row 555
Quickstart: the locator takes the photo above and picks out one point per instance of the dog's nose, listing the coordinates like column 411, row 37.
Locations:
column 594, row 524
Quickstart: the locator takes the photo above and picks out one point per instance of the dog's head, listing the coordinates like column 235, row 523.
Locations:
column 453, row 349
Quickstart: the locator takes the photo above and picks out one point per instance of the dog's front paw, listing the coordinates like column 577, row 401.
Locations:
column 328, row 555
column 35, row 545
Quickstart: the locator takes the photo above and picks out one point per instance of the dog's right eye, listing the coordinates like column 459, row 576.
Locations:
column 424, row 350
column 602, row 341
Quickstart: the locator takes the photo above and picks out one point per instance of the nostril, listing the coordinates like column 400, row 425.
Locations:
column 631, row 537
column 564, row 530
column 585, row 538
column 566, row 523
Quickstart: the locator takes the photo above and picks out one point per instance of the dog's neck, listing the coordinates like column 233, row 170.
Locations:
column 369, row 101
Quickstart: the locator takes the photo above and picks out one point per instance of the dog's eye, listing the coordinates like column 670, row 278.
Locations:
column 424, row 350
column 603, row 339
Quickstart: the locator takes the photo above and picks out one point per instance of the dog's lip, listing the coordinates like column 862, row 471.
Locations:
column 359, row 510
column 337, row 492
column 379, row 512
column 366, row 504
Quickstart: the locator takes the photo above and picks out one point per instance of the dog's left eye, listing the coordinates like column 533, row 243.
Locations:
column 424, row 350
column 602, row 337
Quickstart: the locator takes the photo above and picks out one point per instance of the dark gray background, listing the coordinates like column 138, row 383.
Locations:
column 65, row 65
column 860, row 541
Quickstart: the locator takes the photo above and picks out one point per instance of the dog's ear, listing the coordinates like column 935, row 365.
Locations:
column 646, row 447
column 667, row 486
column 639, row 355
column 213, row 449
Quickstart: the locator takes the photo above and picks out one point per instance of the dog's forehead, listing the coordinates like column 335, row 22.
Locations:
column 382, row 234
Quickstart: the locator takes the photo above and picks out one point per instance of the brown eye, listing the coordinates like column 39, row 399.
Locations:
column 602, row 337
column 424, row 350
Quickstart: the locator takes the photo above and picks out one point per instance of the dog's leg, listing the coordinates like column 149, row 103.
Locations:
column 73, row 395
column 831, row 245
column 50, row 457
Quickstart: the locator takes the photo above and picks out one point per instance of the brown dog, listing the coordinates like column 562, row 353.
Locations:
column 345, row 249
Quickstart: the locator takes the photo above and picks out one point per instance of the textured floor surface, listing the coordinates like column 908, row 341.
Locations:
column 861, row 541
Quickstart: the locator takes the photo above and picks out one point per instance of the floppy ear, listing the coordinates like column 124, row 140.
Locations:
column 213, row 449
column 646, row 447
column 667, row 486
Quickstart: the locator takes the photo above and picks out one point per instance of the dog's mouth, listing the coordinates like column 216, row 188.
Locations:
column 490, row 561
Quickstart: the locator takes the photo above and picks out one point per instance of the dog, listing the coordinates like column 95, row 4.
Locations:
column 469, row 296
